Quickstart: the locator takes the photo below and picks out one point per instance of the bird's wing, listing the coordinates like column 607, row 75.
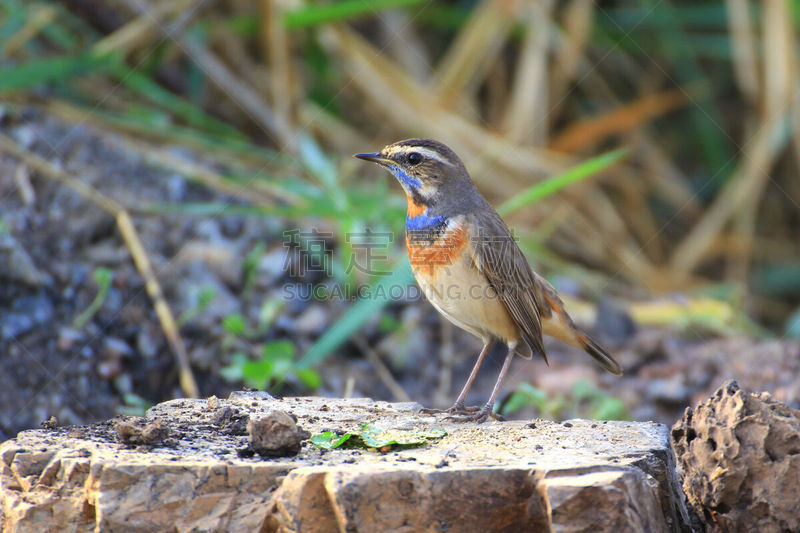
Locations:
column 497, row 255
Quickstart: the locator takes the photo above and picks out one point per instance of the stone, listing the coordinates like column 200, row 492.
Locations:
column 275, row 435
column 312, row 321
column 137, row 430
column 510, row 476
column 38, row 307
column 12, row 325
column 740, row 457
column 229, row 421
column 16, row 265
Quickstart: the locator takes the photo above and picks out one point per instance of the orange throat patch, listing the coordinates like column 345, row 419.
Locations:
column 415, row 209
column 429, row 251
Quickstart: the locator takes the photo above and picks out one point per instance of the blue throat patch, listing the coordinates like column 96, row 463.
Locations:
column 405, row 180
column 423, row 222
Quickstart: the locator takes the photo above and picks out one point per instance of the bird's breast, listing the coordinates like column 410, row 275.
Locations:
column 435, row 242
column 442, row 262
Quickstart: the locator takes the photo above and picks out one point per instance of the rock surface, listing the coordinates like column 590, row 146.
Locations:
column 512, row 476
column 740, row 456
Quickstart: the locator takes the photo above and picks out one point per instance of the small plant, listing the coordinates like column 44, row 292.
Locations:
column 204, row 299
column 102, row 278
column 587, row 401
column 526, row 395
column 277, row 362
column 133, row 405
column 235, row 324
column 383, row 440
column 597, row 404
column 250, row 266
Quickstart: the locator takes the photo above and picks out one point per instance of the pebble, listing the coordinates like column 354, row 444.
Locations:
column 13, row 325
column 108, row 369
column 68, row 338
column 669, row 390
column 176, row 188
column 313, row 321
column 17, row 265
column 209, row 230
column 614, row 321
column 272, row 266
column 39, row 307
column 196, row 278
column 147, row 342
column 116, row 348
column 24, row 135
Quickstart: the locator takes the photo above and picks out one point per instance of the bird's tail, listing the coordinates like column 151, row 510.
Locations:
column 560, row 325
column 599, row 354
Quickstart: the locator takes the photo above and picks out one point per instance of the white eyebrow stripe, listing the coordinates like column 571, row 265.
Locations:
column 423, row 151
column 433, row 155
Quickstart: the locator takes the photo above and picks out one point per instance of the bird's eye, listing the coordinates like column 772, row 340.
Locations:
column 414, row 158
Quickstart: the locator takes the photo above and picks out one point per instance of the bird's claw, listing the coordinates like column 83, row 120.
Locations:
column 479, row 417
column 456, row 409
column 462, row 413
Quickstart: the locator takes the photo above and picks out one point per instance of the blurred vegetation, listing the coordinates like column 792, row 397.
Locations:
column 584, row 401
column 276, row 95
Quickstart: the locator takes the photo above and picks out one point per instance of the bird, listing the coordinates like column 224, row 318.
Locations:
column 471, row 269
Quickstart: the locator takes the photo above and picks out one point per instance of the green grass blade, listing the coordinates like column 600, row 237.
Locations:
column 357, row 315
column 34, row 73
column 135, row 122
column 315, row 14
column 552, row 185
column 152, row 91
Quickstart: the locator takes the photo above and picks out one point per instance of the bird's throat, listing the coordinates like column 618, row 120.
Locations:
column 418, row 218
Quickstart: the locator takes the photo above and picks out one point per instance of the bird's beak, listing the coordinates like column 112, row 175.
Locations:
column 375, row 157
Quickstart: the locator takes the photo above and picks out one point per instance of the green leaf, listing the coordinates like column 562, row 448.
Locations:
column 258, row 374
column 133, row 405
column 102, row 277
column 38, row 71
column 583, row 390
column 205, row 297
column 234, row 371
column 280, row 355
column 525, row 395
column 329, row 440
column 380, row 438
column 234, row 324
column 278, row 350
column 309, row 377
column 315, row 14
column 552, row 185
column 269, row 311
column 610, row 408
column 370, row 437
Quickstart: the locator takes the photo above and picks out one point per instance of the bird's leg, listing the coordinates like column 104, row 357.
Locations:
column 459, row 408
column 486, row 412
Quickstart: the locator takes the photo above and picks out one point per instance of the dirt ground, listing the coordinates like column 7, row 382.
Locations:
column 52, row 242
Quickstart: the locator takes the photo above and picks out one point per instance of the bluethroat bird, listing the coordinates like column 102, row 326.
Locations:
column 470, row 267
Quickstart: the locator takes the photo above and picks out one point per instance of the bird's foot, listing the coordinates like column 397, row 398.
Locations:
column 456, row 409
column 479, row 416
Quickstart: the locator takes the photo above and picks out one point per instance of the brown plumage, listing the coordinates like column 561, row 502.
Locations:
column 470, row 267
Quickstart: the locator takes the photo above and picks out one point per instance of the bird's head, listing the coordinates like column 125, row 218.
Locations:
column 422, row 166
